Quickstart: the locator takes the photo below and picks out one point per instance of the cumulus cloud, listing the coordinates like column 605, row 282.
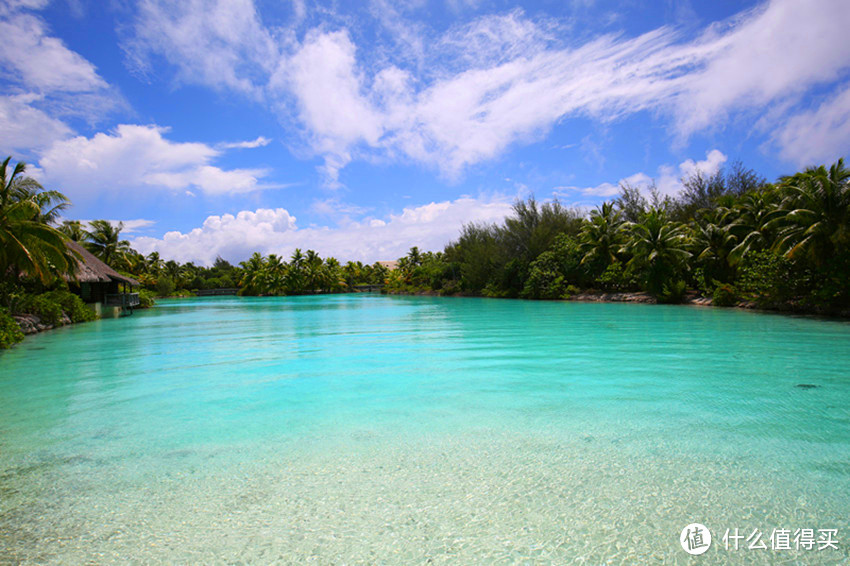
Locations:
column 140, row 156
column 235, row 237
column 24, row 127
column 668, row 181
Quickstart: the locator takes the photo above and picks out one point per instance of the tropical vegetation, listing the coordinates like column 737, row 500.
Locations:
column 731, row 236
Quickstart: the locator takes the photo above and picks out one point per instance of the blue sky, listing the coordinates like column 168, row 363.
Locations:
column 216, row 127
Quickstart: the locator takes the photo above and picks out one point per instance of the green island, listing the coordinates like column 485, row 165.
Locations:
column 727, row 239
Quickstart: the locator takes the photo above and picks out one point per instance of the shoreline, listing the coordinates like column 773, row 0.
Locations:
column 641, row 297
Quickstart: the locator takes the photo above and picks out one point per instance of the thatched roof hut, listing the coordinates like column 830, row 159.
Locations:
column 92, row 270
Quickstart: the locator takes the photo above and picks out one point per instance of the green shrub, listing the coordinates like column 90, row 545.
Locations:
column 672, row 292
column 45, row 306
column 617, row 277
column 770, row 279
column 723, row 296
column 450, row 287
column 72, row 305
column 146, row 299
column 164, row 286
column 570, row 291
column 10, row 332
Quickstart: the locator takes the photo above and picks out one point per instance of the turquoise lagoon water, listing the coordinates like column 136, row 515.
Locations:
column 415, row 430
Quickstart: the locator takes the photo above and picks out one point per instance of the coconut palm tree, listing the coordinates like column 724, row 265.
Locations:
column 73, row 230
column 333, row 275
column 275, row 275
column 254, row 274
column 28, row 244
column 713, row 243
column 602, row 235
column 816, row 219
column 658, row 248
column 104, row 241
column 751, row 225
column 312, row 271
column 154, row 263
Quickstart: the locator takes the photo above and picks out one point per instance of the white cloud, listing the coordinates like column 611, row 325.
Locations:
column 41, row 62
column 777, row 51
column 24, row 127
column 508, row 82
column 11, row 6
column 497, row 80
column 668, row 181
column 259, row 142
column 712, row 163
column 139, row 156
column 220, row 43
column 821, row 135
column 328, row 89
column 45, row 82
column 429, row 226
column 130, row 226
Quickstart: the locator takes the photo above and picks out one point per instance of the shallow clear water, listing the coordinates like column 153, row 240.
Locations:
column 406, row 430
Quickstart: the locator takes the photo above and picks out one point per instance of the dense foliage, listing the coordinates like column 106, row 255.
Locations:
column 730, row 236
column 258, row 275
column 35, row 263
column 29, row 244
column 10, row 332
column 304, row 273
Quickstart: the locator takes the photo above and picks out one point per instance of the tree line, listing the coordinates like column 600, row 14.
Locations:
column 731, row 236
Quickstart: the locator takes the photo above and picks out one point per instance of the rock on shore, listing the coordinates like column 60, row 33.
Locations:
column 31, row 323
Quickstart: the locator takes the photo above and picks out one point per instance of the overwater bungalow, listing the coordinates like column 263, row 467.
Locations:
column 106, row 290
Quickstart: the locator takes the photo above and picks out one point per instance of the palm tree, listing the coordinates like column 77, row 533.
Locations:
column 414, row 258
column 751, row 225
column 333, row 275
column 352, row 272
column 254, row 273
column 817, row 213
column 658, row 247
column 312, row 271
column 713, row 243
column 73, row 230
column 602, row 235
column 154, row 263
column 275, row 280
column 28, row 244
column 104, row 241
column 174, row 271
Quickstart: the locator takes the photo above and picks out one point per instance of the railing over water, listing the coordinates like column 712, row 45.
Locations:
column 215, row 292
column 123, row 300
column 367, row 288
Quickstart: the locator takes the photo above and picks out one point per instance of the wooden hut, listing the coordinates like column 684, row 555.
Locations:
column 109, row 292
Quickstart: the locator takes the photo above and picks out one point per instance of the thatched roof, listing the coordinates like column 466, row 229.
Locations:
column 92, row 270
